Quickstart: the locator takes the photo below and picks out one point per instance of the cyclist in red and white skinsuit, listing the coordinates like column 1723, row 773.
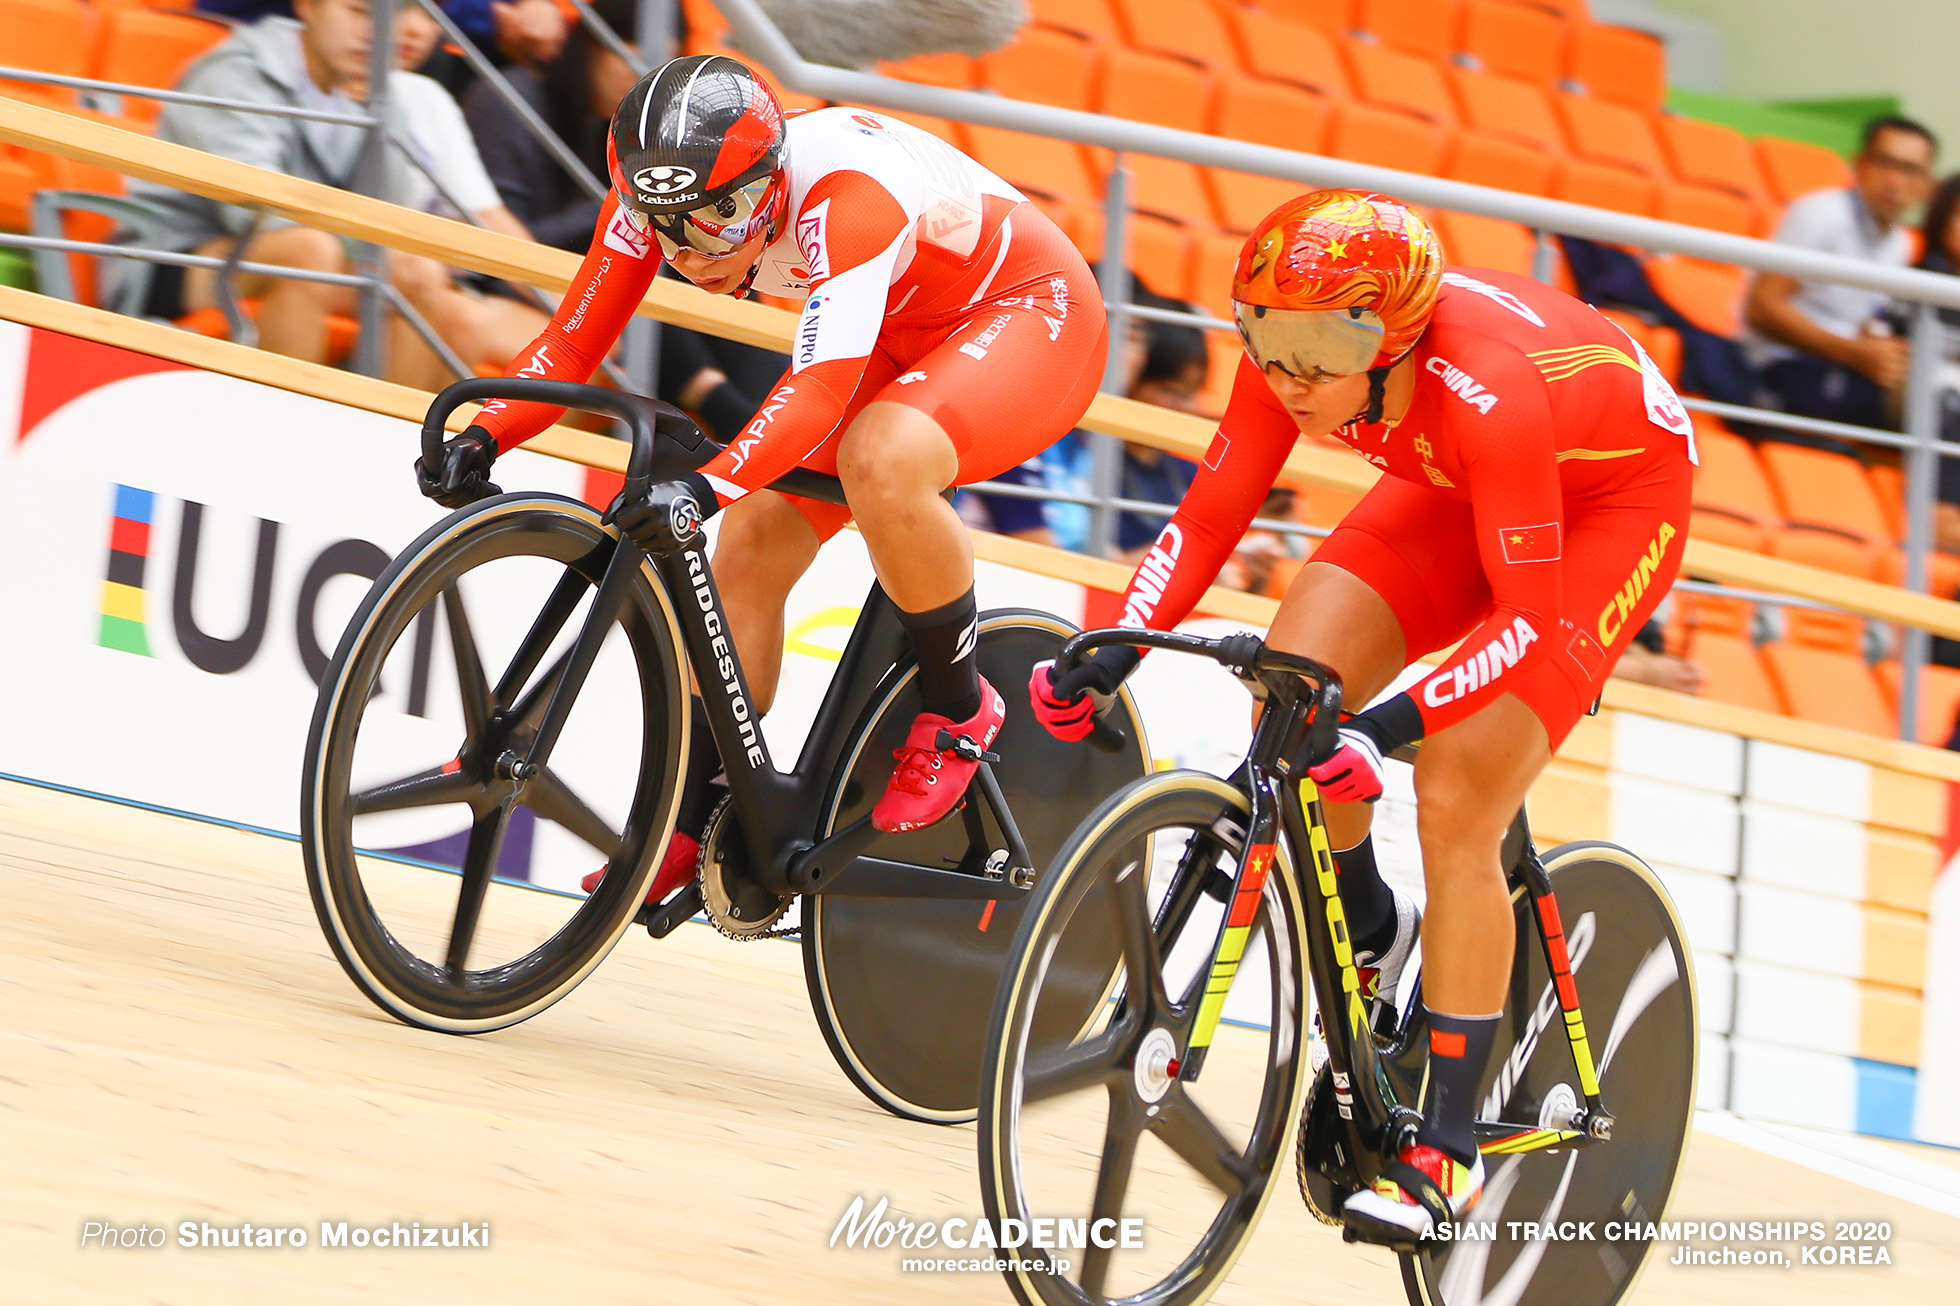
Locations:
column 1534, row 504
column 949, row 331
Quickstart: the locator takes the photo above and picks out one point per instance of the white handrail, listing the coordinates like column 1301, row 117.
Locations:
column 760, row 37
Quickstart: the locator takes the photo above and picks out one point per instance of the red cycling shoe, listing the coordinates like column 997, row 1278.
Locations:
column 683, row 859
column 929, row 781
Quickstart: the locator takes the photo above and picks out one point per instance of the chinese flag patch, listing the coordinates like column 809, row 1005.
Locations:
column 1531, row 543
column 1583, row 650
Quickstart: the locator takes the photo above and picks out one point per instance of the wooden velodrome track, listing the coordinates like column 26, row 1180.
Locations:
column 177, row 1045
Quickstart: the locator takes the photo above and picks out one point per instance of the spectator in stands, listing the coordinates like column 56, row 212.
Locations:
column 1826, row 350
column 1171, row 375
column 522, row 31
column 721, row 381
column 319, row 61
column 1940, row 252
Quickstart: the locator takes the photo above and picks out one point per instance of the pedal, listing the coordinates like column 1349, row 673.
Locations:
column 948, row 742
column 667, row 917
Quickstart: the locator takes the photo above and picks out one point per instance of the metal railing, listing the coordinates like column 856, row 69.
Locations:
column 758, row 36
column 763, row 41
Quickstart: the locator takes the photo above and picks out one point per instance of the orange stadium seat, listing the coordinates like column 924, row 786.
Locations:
column 47, row 36
column 1507, row 106
column 1731, row 488
column 1703, row 206
column 1605, row 187
column 1619, row 64
column 1383, row 137
column 705, row 24
column 1268, row 113
column 1480, row 242
column 1707, row 294
column 1710, row 154
column 1040, row 165
column 1819, row 668
column 1045, row 67
column 958, row 72
column 1715, row 635
column 1939, row 699
column 1424, row 28
column 1284, row 51
column 1889, row 483
column 1160, row 254
column 1242, row 199
column 1602, row 132
column 18, row 183
column 1334, row 17
column 1825, row 490
column 1182, row 29
column 1796, row 168
column 147, row 48
column 1265, row 113
column 1513, row 40
column 1399, row 81
column 1501, row 161
column 1095, row 19
column 1170, row 93
column 1213, row 256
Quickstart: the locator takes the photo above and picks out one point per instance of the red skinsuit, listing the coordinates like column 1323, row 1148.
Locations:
column 1535, row 499
column 930, row 282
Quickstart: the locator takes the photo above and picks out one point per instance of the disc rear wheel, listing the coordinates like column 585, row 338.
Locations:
column 902, row 987
column 1636, row 988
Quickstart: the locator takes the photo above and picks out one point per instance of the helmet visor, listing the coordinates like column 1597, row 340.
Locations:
column 1311, row 344
column 720, row 228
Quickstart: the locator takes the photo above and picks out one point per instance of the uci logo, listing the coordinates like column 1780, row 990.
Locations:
column 684, row 518
column 667, row 179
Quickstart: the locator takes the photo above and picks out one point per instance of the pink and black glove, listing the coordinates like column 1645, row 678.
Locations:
column 1068, row 708
column 1354, row 773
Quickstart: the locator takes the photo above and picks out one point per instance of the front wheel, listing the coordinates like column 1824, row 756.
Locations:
column 1637, row 992
column 1104, row 1127
column 438, row 689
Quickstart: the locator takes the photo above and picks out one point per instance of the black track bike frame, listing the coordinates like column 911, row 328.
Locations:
column 780, row 812
column 1299, row 727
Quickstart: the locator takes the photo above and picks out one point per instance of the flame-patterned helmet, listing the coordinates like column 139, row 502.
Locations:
column 1336, row 282
column 697, row 151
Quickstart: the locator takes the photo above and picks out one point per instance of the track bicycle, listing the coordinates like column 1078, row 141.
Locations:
column 567, row 730
column 1224, row 895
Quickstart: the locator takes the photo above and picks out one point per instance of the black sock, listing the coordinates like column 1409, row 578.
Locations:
column 945, row 640
column 1366, row 899
column 698, row 792
column 1459, row 1048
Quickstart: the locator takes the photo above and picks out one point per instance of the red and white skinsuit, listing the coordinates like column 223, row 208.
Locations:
column 930, row 282
column 1534, row 502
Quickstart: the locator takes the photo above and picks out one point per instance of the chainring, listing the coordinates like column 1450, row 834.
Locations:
column 1327, row 1174
column 737, row 904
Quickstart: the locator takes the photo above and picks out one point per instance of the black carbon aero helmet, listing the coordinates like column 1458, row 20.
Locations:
column 697, row 149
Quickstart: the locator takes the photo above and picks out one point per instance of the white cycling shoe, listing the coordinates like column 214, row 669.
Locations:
column 1381, row 978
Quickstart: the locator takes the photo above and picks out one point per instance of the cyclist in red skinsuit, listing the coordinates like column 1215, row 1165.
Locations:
column 1534, row 505
column 932, row 290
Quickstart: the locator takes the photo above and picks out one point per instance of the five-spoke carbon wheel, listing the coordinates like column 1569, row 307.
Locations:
column 1106, row 1123
column 427, row 838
